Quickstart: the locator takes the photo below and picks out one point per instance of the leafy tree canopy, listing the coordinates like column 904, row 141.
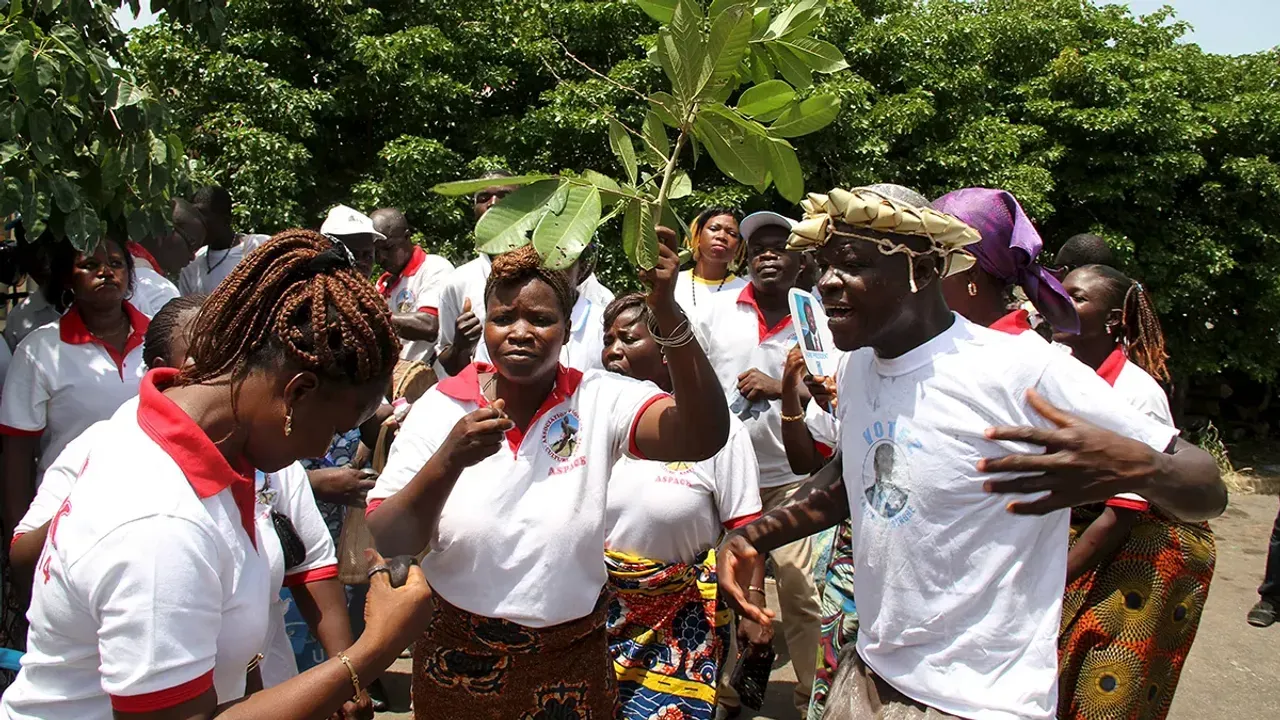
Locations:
column 1097, row 120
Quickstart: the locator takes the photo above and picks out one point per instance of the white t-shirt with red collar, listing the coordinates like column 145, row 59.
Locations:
column 522, row 534
column 959, row 600
column 1141, row 391
column 210, row 267
column 288, row 492
column 736, row 339
column 63, row 379
column 674, row 512
column 151, row 589
column 416, row 289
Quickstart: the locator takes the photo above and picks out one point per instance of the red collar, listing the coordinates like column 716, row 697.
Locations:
column 386, row 281
column 748, row 297
column 73, row 331
column 141, row 253
column 1110, row 368
column 1015, row 323
column 205, row 468
column 465, row 386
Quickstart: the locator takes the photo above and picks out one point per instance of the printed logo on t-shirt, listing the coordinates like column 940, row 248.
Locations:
column 404, row 301
column 560, row 438
column 886, row 473
column 680, row 466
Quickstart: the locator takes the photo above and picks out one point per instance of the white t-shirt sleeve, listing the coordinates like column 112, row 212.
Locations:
column 298, row 503
column 423, row 432
column 625, row 400
column 24, row 404
column 189, row 278
column 1072, row 386
column 151, row 291
column 737, row 478
column 155, row 593
column 6, row 357
column 449, row 305
column 822, row 425
column 59, row 478
column 430, row 282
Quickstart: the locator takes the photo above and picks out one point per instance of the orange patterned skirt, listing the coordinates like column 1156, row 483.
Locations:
column 1128, row 625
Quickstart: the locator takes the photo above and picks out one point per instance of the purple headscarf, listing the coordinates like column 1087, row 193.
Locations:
column 1008, row 250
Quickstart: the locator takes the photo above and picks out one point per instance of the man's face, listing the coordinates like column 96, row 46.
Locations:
column 773, row 267
column 362, row 250
column 863, row 290
column 394, row 253
column 217, row 227
column 489, row 196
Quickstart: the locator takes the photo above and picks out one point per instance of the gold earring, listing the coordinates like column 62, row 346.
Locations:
column 973, row 289
column 288, row 423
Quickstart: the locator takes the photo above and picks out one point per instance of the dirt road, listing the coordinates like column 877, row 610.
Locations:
column 1233, row 671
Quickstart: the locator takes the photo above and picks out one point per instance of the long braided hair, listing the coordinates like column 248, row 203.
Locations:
column 296, row 299
column 1139, row 325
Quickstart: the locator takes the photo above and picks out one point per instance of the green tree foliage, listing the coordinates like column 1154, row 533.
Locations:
column 83, row 142
column 1097, row 120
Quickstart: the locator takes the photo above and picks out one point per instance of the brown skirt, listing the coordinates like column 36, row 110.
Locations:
column 472, row 667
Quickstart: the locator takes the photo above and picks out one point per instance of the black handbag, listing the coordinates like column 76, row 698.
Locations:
column 751, row 675
column 294, row 550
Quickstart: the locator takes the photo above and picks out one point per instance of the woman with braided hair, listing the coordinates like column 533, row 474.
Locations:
column 718, row 250
column 152, row 593
column 1137, row 578
column 501, row 471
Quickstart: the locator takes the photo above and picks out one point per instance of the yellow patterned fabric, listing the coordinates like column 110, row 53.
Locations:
column 1128, row 625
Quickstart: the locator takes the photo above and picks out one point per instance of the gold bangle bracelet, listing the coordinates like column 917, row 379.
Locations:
column 793, row 418
column 355, row 679
column 253, row 664
column 751, row 588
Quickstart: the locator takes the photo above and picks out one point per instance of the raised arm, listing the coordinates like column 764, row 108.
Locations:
column 694, row 424
column 802, row 454
column 1083, row 463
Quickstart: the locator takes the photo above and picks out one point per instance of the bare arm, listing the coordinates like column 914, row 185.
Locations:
column 404, row 523
column 1099, row 541
column 25, row 551
column 695, row 424
column 416, row 326
column 1083, row 463
column 323, row 605
column 19, row 478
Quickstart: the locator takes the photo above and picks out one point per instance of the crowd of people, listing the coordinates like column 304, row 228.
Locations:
column 210, row 483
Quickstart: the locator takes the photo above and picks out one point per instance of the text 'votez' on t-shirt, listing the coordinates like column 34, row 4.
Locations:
column 959, row 600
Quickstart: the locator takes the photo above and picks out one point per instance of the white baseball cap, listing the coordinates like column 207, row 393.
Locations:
column 343, row 220
column 753, row 222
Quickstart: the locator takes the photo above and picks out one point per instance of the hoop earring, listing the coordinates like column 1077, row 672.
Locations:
column 288, row 423
column 973, row 289
column 65, row 302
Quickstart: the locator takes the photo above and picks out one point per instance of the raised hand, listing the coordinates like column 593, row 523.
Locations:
column 477, row 435
column 467, row 329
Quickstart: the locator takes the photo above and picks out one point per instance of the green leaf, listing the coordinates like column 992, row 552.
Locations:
column 631, row 230
column 795, row 18
column 605, row 184
column 39, row 126
column 82, row 227
column 660, row 10
column 65, row 194
column 159, row 150
column 647, row 242
column 47, row 71
column 127, row 94
column 813, row 114
column 561, row 237
column 719, row 6
column 681, row 186
column 795, row 70
column 785, row 168
column 138, row 223
column 657, row 148
column 761, row 67
column 620, row 142
column 736, row 153
column 459, row 188
column 820, row 56
column 682, row 51
column 24, row 79
column 765, row 98
column 667, row 107
column 507, row 224
column 9, row 151
column 111, row 168
column 730, row 34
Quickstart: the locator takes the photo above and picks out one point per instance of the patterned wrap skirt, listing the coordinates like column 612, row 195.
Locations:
column 1128, row 625
column 472, row 667
column 668, row 637
column 839, row 616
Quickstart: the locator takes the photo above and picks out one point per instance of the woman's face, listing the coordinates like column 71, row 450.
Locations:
column 319, row 410
column 719, row 239
column 100, row 278
column 630, row 350
column 1093, row 305
column 524, row 330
